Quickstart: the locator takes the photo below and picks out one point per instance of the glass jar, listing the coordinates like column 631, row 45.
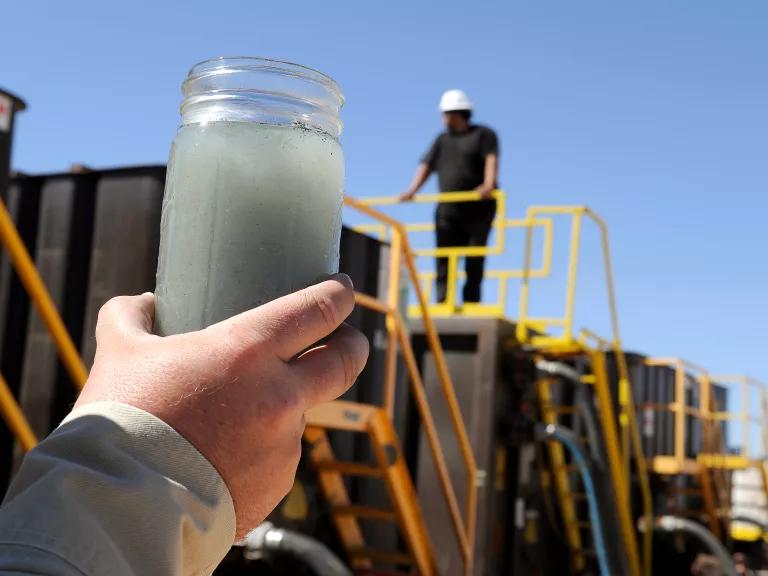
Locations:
column 254, row 190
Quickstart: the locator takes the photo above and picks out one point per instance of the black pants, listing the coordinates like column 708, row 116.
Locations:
column 463, row 224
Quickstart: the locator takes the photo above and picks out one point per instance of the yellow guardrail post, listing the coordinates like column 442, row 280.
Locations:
column 464, row 528
column 679, row 414
column 749, row 415
column 764, row 424
column 745, row 417
column 393, row 300
column 573, row 267
column 451, row 288
column 522, row 328
column 705, row 408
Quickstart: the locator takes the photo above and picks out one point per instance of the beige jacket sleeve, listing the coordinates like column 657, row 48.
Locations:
column 114, row 491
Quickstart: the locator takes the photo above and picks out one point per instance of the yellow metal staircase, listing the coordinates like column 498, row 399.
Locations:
column 389, row 467
column 618, row 425
column 568, row 484
column 616, row 416
column 375, row 422
column 562, row 473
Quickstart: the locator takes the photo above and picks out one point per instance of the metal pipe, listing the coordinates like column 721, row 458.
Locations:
column 762, row 526
column 266, row 539
column 747, row 520
column 568, row 439
column 565, row 371
column 559, row 369
column 675, row 524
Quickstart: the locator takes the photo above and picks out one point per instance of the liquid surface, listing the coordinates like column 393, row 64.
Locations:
column 251, row 212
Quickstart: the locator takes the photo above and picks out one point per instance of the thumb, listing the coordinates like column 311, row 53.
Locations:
column 125, row 317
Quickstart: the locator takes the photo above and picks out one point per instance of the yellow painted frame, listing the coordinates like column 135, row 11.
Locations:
column 397, row 335
column 530, row 329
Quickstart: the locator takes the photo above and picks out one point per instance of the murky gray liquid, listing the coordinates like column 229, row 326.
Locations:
column 251, row 212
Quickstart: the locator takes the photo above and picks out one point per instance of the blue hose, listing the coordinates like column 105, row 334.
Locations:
column 568, row 439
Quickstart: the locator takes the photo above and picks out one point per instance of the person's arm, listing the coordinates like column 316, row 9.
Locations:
column 489, row 148
column 178, row 445
column 114, row 490
column 490, row 176
column 426, row 167
column 421, row 176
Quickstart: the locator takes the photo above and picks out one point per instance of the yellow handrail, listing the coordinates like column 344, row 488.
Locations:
column 710, row 415
column 400, row 251
column 716, row 455
column 529, row 328
column 679, row 462
column 747, row 417
column 500, row 224
column 629, row 433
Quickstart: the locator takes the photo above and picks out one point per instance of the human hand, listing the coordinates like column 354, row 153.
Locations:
column 407, row 196
column 486, row 192
column 237, row 390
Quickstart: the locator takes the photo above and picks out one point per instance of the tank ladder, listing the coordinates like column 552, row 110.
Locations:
column 564, row 474
column 374, row 422
column 568, row 486
column 389, row 467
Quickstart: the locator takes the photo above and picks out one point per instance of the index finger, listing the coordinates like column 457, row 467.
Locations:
column 293, row 323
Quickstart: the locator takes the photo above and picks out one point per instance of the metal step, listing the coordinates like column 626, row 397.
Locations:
column 390, row 468
column 367, row 512
column 379, row 556
column 349, row 468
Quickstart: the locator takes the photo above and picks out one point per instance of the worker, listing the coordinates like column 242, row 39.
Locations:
column 178, row 446
column 465, row 157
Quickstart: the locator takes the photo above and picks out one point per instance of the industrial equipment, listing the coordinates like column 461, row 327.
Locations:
column 481, row 439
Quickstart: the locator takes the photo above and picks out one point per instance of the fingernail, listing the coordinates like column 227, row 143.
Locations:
column 343, row 279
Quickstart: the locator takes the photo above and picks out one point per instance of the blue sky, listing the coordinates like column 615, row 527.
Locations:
column 655, row 114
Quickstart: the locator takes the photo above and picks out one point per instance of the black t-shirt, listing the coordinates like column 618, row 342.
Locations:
column 459, row 159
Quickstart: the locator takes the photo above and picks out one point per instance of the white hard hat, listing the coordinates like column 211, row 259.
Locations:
column 453, row 100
